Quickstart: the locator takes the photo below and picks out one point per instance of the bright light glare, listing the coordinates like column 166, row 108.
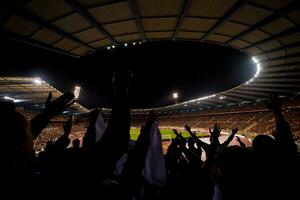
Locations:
column 9, row 98
column 258, row 68
column 140, row 42
column 254, row 60
column 252, row 79
column 125, row 44
column 134, row 43
column 222, row 97
column 108, row 47
column 14, row 100
column 175, row 95
column 113, row 46
column 77, row 92
column 37, row 81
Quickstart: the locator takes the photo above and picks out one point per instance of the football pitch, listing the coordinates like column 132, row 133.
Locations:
column 166, row 134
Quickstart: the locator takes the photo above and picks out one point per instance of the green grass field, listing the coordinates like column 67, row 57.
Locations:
column 166, row 134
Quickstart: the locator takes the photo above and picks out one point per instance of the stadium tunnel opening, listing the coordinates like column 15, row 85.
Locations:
column 159, row 68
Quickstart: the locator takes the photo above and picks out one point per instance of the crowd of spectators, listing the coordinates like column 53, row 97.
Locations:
column 251, row 123
column 110, row 166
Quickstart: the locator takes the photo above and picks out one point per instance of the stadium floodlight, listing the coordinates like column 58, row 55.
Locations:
column 222, row 97
column 134, row 43
column 113, row 46
column 37, row 81
column 258, row 68
column 9, row 98
column 175, row 95
column 108, row 48
column 254, row 59
column 77, row 92
column 125, row 44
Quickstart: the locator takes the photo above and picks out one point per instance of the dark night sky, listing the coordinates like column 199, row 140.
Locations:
column 160, row 68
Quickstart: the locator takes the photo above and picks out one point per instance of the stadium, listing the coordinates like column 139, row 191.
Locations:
column 77, row 35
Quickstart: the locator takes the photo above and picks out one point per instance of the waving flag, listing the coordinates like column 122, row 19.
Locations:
column 99, row 128
column 155, row 166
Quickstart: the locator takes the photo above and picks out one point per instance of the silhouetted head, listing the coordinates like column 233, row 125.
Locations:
column 235, row 171
column 265, row 146
column 17, row 142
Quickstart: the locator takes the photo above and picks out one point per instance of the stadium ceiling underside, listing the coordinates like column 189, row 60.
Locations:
column 265, row 29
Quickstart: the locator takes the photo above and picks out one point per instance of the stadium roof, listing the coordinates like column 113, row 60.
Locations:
column 266, row 29
column 31, row 93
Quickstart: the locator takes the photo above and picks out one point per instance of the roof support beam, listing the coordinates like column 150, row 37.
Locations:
column 185, row 8
column 284, row 64
column 221, row 101
column 245, row 96
column 232, row 99
column 28, row 41
column 89, row 18
column 135, row 10
column 278, row 80
column 277, row 85
column 281, row 68
column 9, row 8
column 282, row 57
column 280, row 13
column 238, row 96
column 260, row 94
column 296, row 44
column 285, row 90
column 36, row 20
column 281, row 74
column 234, row 9
column 273, row 37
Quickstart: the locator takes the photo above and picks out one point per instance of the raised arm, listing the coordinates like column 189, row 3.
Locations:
column 230, row 138
column 131, row 174
column 62, row 143
column 52, row 108
column 90, row 134
column 115, row 140
column 199, row 142
column 283, row 135
column 242, row 144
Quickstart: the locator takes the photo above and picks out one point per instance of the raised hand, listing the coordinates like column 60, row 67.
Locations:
column 199, row 143
column 234, row 130
column 242, row 144
column 177, row 134
column 193, row 134
column 56, row 107
column 181, row 139
column 238, row 138
column 216, row 131
column 52, row 108
column 188, row 129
